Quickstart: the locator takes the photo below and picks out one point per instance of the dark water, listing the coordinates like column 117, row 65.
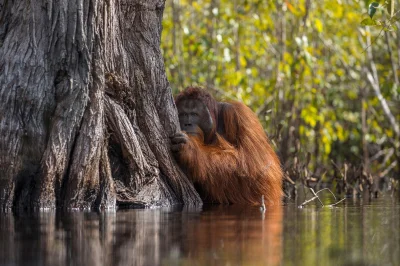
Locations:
column 353, row 233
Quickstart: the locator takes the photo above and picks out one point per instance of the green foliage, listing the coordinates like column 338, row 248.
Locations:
column 387, row 19
column 299, row 64
column 372, row 9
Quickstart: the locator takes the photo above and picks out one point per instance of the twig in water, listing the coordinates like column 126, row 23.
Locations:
column 334, row 204
column 329, row 191
column 315, row 194
column 316, row 197
column 307, row 201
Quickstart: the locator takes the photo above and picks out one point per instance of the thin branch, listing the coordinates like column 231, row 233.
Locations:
column 264, row 106
column 385, row 27
column 372, row 76
column 287, row 178
column 337, row 167
column 315, row 194
column 329, row 191
column 371, row 43
column 392, row 60
column 334, row 204
column 382, row 100
column 307, row 201
column 317, row 197
column 381, row 153
column 387, row 170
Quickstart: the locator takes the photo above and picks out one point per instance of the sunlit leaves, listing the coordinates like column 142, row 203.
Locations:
column 310, row 115
column 387, row 23
column 372, row 9
column 305, row 63
column 369, row 22
column 318, row 25
column 290, row 7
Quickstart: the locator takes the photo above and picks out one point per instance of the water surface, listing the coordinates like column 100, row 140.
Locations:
column 353, row 233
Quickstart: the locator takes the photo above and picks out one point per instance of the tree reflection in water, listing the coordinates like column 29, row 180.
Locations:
column 354, row 233
column 212, row 236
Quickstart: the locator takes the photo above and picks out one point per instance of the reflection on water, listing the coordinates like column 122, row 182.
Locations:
column 350, row 234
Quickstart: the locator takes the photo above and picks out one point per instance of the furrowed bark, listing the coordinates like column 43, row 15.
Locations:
column 86, row 110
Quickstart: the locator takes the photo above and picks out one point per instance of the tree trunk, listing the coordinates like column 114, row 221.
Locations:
column 86, row 110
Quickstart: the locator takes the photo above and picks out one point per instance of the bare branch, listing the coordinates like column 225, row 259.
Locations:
column 387, row 170
column 329, row 191
column 372, row 76
column 307, row 201
column 375, row 86
column 317, row 197
column 334, row 204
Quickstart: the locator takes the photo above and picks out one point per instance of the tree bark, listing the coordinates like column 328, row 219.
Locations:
column 86, row 110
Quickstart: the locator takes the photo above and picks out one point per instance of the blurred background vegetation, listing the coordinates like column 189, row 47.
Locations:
column 325, row 87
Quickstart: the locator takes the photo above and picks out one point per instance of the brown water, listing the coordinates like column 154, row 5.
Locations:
column 353, row 233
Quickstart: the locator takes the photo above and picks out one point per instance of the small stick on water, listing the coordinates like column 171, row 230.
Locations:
column 307, row 201
column 262, row 208
column 334, row 204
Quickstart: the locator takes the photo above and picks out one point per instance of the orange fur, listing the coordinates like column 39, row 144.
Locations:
column 238, row 167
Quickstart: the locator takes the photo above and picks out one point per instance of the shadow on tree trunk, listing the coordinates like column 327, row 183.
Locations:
column 86, row 110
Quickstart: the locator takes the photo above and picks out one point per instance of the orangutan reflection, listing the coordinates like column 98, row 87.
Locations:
column 236, row 235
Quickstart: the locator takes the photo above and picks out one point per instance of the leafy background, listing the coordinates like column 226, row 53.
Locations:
column 317, row 77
